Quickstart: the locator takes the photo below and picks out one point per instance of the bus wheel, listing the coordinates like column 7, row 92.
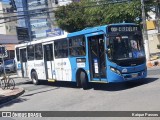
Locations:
column 84, row 80
column 34, row 78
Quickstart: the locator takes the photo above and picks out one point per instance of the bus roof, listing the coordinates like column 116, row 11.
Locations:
column 43, row 40
column 95, row 29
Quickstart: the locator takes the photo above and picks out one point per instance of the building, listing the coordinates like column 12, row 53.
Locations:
column 42, row 19
column 22, row 13
column 9, row 41
column 7, row 25
column 38, row 17
column 153, row 35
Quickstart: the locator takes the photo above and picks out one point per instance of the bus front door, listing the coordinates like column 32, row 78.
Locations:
column 48, row 61
column 23, row 62
column 97, row 57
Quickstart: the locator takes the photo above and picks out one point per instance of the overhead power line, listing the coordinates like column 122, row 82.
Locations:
column 98, row 3
column 26, row 10
column 26, row 15
column 36, row 13
column 12, row 20
column 101, row 3
column 89, row 6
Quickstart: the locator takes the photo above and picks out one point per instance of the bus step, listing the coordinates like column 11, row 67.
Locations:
column 51, row 80
column 99, row 81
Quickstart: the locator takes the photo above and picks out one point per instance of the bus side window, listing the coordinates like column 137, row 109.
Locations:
column 77, row 46
column 38, row 52
column 30, row 52
column 61, row 48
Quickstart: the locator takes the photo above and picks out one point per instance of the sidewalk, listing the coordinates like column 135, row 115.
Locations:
column 7, row 94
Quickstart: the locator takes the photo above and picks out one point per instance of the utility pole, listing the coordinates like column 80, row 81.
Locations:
column 145, row 34
column 158, row 15
column 51, row 14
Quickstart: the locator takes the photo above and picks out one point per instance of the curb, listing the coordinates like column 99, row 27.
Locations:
column 11, row 97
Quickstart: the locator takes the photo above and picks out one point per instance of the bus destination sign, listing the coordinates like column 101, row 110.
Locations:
column 123, row 28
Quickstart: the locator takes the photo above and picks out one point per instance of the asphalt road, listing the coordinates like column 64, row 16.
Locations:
column 140, row 96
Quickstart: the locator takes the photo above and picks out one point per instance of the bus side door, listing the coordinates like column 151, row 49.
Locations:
column 23, row 62
column 49, row 61
column 97, row 56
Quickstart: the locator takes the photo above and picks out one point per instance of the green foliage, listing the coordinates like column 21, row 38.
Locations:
column 70, row 17
column 88, row 13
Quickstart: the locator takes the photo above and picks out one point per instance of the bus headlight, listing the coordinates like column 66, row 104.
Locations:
column 115, row 70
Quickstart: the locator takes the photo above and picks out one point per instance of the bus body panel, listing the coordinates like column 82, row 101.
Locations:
column 30, row 68
column 76, row 64
column 39, row 67
column 63, row 70
column 19, row 70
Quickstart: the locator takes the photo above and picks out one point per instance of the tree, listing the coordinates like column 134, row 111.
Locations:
column 71, row 17
column 88, row 13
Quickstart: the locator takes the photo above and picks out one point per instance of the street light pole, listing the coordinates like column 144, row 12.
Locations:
column 145, row 34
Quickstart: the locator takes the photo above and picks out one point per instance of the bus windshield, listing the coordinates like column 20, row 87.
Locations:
column 126, row 47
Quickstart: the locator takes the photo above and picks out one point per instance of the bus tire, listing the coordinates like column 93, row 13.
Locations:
column 78, row 81
column 84, row 80
column 34, row 78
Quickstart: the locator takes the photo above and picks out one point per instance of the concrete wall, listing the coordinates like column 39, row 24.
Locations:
column 154, row 40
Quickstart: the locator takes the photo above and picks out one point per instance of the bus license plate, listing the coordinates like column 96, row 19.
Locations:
column 134, row 75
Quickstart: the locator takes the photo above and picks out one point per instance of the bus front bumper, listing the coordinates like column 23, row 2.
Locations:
column 114, row 77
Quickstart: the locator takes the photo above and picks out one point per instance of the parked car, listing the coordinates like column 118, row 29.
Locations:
column 10, row 65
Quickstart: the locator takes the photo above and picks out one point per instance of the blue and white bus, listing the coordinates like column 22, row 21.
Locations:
column 109, row 53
